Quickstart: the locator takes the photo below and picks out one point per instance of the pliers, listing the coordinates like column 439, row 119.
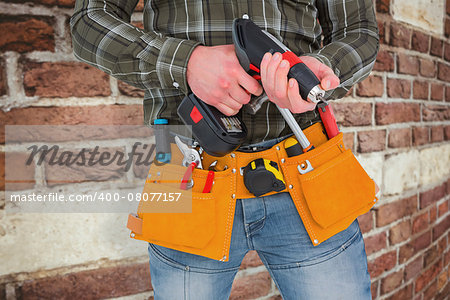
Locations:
column 190, row 155
column 191, row 159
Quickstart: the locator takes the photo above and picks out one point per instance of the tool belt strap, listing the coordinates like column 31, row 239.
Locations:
column 328, row 197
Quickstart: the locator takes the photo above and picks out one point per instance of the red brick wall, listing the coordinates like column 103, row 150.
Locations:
column 403, row 106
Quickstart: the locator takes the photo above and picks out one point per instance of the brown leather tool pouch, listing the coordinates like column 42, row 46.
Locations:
column 198, row 223
column 329, row 196
column 329, row 187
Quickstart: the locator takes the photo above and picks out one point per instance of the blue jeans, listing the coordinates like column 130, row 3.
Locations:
column 335, row 269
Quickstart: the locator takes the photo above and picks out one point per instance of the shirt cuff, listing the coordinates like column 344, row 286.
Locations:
column 172, row 63
column 323, row 59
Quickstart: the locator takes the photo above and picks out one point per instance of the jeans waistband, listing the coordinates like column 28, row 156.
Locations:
column 262, row 145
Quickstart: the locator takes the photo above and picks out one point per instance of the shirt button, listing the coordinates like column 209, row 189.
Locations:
column 175, row 84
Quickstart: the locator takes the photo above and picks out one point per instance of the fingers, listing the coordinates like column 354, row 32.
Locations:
column 228, row 106
column 271, row 69
column 297, row 104
column 238, row 94
column 329, row 81
column 249, row 83
column 281, row 82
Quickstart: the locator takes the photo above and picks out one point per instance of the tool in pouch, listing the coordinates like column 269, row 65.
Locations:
column 162, row 141
column 191, row 159
column 262, row 176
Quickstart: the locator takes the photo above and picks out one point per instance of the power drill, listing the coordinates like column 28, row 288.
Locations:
column 212, row 129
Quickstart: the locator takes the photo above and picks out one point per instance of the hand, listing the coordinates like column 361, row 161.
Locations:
column 286, row 94
column 215, row 76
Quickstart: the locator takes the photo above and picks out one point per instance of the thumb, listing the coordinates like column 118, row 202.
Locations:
column 329, row 81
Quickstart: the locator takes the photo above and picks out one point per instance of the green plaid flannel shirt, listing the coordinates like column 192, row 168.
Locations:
column 341, row 34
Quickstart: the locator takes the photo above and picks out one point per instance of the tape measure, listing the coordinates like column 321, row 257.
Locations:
column 262, row 176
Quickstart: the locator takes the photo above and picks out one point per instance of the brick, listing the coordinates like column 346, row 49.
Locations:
column 251, row 287
column 2, row 174
column 447, row 132
column 413, row 268
column 442, row 208
column 64, row 79
column 384, row 62
column 389, row 113
column 398, row 88
column 447, row 27
column 366, row 221
column 276, row 297
column 420, row 136
column 448, row 184
column 443, row 294
column 442, row 280
column 19, row 173
column 400, row 36
column 129, row 90
column 393, row 211
column 430, row 291
column 382, row 264
column 391, row 282
column 436, row 112
column 403, row 294
column 353, row 114
column 420, row 41
column 60, row 3
column 3, row 83
column 350, row 92
column 371, row 87
column 374, row 289
column 370, row 141
column 437, row 134
column 375, row 243
column 427, row 276
column 70, row 115
column 100, row 283
column 447, row 51
column 447, row 93
column 444, row 72
column 420, row 223
column 447, row 257
column 382, row 32
column 26, row 33
column 433, row 213
column 251, row 259
column 442, row 244
column 399, row 138
column 407, row 64
column 382, row 6
column 447, row 7
column 427, row 68
column 349, row 140
column 430, row 255
column 441, row 228
column 413, row 247
column 436, row 47
column 420, row 90
column 57, row 173
column 437, row 91
column 400, row 232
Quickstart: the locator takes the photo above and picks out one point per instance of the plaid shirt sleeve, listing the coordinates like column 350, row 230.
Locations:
column 350, row 42
column 103, row 37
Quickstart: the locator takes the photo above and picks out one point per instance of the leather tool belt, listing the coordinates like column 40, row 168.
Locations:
column 329, row 188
